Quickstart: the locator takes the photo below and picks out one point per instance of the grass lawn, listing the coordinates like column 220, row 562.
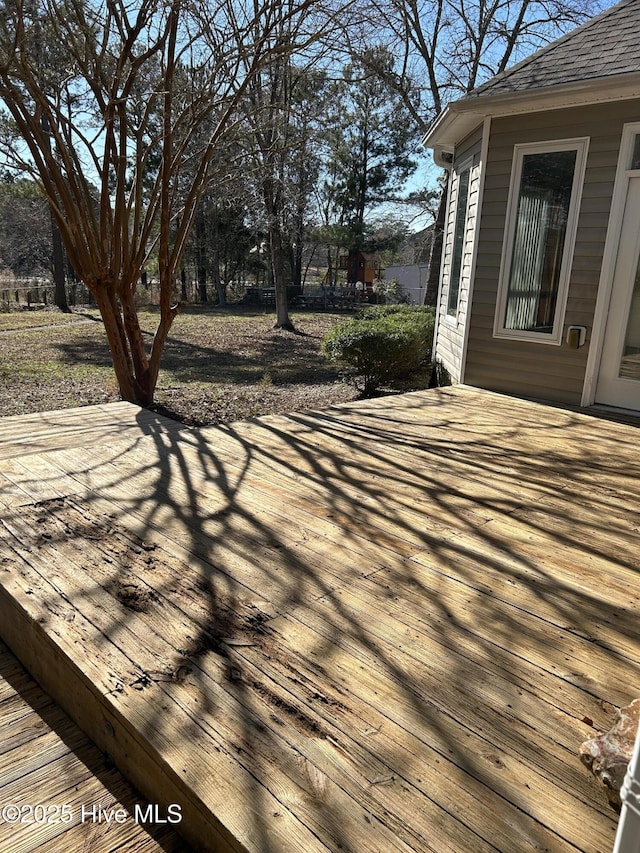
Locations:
column 218, row 365
column 15, row 320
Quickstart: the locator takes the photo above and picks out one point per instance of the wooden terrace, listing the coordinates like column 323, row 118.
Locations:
column 42, row 752
column 386, row 626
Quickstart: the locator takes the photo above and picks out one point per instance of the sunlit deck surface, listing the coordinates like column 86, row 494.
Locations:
column 386, row 626
column 44, row 754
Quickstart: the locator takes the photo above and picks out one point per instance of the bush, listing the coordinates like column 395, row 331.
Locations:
column 390, row 291
column 383, row 343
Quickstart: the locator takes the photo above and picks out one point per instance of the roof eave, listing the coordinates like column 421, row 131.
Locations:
column 461, row 117
column 452, row 125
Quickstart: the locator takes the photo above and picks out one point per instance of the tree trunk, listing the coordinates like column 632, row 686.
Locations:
column 353, row 266
column 435, row 255
column 56, row 240
column 201, row 253
column 296, row 265
column 135, row 381
column 202, row 284
column 59, row 279
column 217, row 278
column 283, row 321
column 221, row 290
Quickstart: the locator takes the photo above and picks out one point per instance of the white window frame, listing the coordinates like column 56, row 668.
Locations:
column 465, row 166
column 580, row 145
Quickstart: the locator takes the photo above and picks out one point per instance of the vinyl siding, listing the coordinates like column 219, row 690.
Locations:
column 527, row 368
column 450, row 335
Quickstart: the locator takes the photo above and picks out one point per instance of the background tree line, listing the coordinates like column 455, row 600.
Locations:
column 239, row 139
column 307, row 171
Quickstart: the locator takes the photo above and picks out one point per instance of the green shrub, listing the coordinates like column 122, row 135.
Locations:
column 382, row 344
column 389, row 291
column 372, row 312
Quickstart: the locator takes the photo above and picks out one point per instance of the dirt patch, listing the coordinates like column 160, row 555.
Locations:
column 131, row 595
column 141, row 576
column 59, row 522
column 232, row 626
column 303, row 723
column 143, row 579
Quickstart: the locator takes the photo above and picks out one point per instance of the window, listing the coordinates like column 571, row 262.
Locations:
column 541, row 224
column 635, row 155
column 459, row 233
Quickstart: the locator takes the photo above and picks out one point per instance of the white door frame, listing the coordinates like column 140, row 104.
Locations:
column 605, row 285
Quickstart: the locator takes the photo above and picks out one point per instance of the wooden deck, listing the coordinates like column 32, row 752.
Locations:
column 42, row 753
column 387, row 626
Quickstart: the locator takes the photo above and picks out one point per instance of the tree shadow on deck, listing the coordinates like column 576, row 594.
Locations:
column 395, row 616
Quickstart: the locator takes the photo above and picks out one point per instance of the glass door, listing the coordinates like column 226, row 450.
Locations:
column 630, row 358
column 619, row 376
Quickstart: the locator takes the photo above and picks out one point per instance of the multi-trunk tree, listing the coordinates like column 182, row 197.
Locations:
column 119, row 123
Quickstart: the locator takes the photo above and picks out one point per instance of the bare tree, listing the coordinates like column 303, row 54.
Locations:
column 25, row 228
column 445, row 48
column 267, row 115
column 281, row 116
column 135, row 98
column 275, row 146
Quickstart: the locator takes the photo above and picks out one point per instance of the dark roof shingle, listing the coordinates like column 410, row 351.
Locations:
column 607, row 45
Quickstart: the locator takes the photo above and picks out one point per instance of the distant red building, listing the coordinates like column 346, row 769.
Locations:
column 361, row 266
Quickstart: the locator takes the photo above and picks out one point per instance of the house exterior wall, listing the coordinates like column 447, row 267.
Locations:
column 530, row 368
column 449, row 344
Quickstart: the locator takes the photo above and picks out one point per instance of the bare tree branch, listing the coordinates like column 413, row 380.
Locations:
column 138, row 97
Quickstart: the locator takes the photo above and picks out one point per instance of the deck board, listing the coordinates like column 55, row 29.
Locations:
column 45, row 759
column 85, row 427
column 386, row 625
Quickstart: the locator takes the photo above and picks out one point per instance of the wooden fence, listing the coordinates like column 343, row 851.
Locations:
column 30, row 294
